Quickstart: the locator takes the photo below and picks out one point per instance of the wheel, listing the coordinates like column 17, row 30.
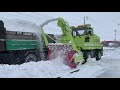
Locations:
column 92, row 53
column 30, row 57
column 98, row 55
column 85, row 60
column 85, row 55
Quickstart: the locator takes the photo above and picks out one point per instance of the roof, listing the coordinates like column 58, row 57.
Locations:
column 83, row 26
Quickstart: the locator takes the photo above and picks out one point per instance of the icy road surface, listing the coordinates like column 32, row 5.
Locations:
column 109, row 66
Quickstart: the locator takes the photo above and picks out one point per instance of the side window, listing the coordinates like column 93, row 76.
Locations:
column 74, row 33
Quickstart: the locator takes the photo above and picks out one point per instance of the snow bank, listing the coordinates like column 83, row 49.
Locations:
column 42, row 69
column 48, row 69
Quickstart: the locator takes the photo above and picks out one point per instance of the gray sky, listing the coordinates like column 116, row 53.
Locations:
column 104, row 23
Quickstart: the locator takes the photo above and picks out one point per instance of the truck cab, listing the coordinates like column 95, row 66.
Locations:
column 85, row 38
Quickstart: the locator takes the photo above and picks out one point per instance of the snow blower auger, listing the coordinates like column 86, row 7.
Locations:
column 65, row 46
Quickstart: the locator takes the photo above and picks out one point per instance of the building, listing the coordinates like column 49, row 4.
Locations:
column 111, row 43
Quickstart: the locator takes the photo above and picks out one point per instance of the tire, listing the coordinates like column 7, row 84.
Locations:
column 98, row 55
column 30, row 57
column 85, row 60
column 92, row 54
column 85, row 57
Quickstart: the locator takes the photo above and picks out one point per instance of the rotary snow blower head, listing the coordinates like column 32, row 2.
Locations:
column 64, row 47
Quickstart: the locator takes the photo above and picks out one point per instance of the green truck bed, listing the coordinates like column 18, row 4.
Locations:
column 21, row 44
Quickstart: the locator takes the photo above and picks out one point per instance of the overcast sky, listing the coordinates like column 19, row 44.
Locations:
column 104, row 23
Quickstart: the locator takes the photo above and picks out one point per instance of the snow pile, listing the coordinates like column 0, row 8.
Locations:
column 48, row 69
column 42, row 69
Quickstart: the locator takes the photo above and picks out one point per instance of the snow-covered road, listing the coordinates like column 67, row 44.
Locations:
column 112, row 61
column 108, row 66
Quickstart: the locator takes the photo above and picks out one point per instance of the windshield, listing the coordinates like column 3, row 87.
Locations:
column 81, row 32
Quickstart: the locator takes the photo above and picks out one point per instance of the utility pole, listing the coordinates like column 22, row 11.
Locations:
column 85, row 19
column 115, row 34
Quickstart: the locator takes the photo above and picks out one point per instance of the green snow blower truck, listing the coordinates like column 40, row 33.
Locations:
column 75, row 45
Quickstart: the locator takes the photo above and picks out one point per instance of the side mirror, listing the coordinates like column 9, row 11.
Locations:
column 73, row 33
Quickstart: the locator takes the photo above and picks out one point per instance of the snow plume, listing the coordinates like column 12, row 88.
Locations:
column 20, row 25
